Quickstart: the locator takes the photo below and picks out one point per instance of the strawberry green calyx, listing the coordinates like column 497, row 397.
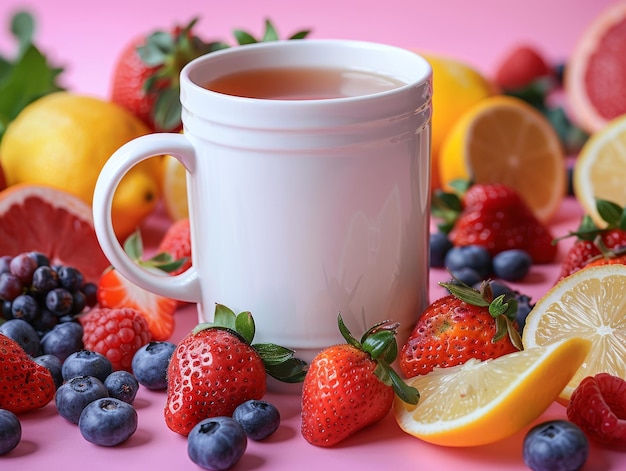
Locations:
column 612, row 213
column 380, row 343
column 280, row 362
column 133, row 246
column 503, row 310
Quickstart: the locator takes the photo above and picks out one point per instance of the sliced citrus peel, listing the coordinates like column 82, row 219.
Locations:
column 478, row 403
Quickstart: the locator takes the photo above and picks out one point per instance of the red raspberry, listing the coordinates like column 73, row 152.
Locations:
column 598, row 407
column 115, row 333
column 177, row 242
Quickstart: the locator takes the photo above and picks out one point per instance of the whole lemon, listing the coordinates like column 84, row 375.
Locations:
column 64, row 139
column 457, row 86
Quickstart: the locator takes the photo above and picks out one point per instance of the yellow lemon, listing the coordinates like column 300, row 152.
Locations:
column 481, row 402
column 174, row 188
column 600, row 169
column 457, row 86
column 64, row 139
column 588, row 304
column 505, row 140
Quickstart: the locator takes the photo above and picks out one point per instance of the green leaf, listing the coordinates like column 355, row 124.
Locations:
column 610, row 212
column 273, row 354
column 167, row 108
column 501, row 329
column 159, row 45
column 406, row 393
column 290, row 371
column 270, row 32
column 224, row 316
column 133, row 246
column 23, row 29
column 345, row 333
column 244, row 326
column 378, row 343
column 243, row 37
column 466, row 293
column 300, row 34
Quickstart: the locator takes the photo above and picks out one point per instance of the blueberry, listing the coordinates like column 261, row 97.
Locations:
column 556, row 445
column 73, row 395
column 63, row 340
column 10, row 431
column 5, row 264
column 475, row 257
column 512, row 265
column 59, row 301
column 10, row 286
column 54, row 366
column 150, row 364
column 25, row 307
column 465, row 275
column 87, row 363
column 122, row 385
column 107, row 422
column 90, row 290
column 439, row 246
column 23, row 266
column 217, row 443
column 44, row 279
column 259, row 419
column 44, row 322
column 524, row 307
column 23, row 333
column 70, row 278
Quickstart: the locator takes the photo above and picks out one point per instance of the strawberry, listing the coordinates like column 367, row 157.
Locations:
column 594, row 243
column 465, row 324
column 146, row 74
column 25, row 385
column 116, row 291
column 520, row 67
column 493, row 216
column 177, row 242
column 350, row 386
column 598, row 407
column 216, row 367
column 115, row 333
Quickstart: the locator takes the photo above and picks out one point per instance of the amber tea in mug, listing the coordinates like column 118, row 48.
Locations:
column 302, row 83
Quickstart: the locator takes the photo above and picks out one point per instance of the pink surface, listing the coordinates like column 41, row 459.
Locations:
column 86, row 37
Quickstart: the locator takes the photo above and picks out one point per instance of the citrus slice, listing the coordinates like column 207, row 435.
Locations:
column 595, row 75
column 481, row 402
column 174, row 188
column 600, row 169
column 457, row 86
column 503, row 139
column 53, row 222
column 588, row 304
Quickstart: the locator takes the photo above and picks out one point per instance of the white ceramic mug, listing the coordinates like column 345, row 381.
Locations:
column 299, row 209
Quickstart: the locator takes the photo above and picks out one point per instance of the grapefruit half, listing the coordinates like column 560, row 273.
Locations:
column 595, row 76
column 53, row 222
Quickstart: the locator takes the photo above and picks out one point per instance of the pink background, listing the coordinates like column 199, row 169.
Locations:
column 86, row 36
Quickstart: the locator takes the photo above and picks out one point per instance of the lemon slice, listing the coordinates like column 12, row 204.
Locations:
column 481, row 402
column 600, row 169
column 174, row 188
column 588, row 304
column 505, row 140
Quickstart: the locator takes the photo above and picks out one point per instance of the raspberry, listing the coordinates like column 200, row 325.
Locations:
column 177, row 242
column 598, row 407
column 115, row 333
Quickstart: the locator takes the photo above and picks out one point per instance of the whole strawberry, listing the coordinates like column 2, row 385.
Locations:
column 493, row 215
column 115, row 333
column 145, row 76
column 520, row 67
column 24, row 384
column 177, row 243
column 215, row 368
column 466, row 324
column 594, row 243
column 350, row 386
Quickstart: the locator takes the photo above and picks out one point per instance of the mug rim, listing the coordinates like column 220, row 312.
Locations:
column 229, row 55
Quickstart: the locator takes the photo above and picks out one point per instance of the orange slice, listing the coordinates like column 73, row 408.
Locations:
column 481, row 402
column 505, row 140
column 600, row 169
column 174, row 188
column 588, row 304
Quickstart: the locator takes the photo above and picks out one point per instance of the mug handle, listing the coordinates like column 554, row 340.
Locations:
column 185, row 286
